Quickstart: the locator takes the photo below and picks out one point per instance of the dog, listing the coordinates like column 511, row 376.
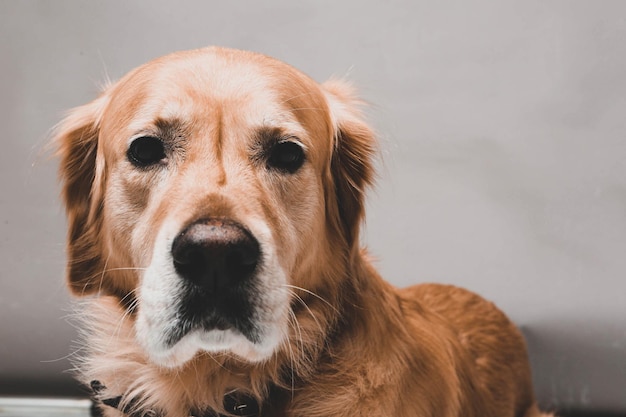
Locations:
column 214, row 199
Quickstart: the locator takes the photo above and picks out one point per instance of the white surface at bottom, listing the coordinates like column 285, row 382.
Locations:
column 44, row 407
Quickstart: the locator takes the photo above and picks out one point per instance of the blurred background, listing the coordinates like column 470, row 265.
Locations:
column 503, row 166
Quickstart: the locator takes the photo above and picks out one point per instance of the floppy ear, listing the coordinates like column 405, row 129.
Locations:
column 82, row 176
column 351, row 165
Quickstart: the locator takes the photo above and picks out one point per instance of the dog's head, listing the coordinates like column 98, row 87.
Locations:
column 205, row 189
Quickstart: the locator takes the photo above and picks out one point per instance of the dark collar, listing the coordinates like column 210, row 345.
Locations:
column 236, row 403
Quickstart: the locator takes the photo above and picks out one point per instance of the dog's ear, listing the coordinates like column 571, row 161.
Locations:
column 82, row 177
column 352, row 165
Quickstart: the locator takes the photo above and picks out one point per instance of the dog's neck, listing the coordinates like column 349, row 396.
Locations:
column 367, row 288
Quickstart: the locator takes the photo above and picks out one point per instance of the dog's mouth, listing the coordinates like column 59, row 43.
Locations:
column 204, row 313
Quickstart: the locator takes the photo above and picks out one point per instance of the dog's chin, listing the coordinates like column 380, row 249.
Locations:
column 212, row 343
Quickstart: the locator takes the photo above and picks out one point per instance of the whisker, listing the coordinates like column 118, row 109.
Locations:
column 104, row 271
column 127, row 312
column 130, row 293
column 102, row 274
column 314, row 295
column 298, row 328
column 127, row 268
column 293, row 363
column 321, row 329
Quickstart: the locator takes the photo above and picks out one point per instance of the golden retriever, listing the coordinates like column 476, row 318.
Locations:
column 214, row 199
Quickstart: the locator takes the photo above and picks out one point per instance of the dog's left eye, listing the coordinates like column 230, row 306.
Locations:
column 145, row 151
column 286, row 156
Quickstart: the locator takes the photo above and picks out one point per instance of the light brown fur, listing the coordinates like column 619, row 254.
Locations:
column 355, row 345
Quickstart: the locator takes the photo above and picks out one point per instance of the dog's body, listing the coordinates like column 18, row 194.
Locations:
column 214, row 200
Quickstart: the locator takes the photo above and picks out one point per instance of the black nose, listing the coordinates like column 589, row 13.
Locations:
column 215, row 254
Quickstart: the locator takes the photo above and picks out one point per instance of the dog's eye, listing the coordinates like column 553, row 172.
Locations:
column 145, row 151
column 286, row 156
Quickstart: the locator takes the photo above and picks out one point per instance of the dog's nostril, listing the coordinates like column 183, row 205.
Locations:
column 215, row 254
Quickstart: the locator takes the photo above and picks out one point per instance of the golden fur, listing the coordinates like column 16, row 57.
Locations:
column 353, row 345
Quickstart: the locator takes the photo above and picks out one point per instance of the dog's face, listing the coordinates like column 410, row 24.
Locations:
column 204, row 190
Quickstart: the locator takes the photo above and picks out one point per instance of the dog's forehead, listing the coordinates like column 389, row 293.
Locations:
column 240, row 85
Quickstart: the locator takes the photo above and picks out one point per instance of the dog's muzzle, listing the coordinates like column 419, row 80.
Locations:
column 217, row 260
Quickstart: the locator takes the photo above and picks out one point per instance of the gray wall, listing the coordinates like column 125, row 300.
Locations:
column 504, row 163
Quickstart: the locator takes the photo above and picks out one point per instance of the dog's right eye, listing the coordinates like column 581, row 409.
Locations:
column 286, row 156
column 145, row 151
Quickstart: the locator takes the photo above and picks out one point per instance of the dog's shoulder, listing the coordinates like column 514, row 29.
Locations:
column 486, row 343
